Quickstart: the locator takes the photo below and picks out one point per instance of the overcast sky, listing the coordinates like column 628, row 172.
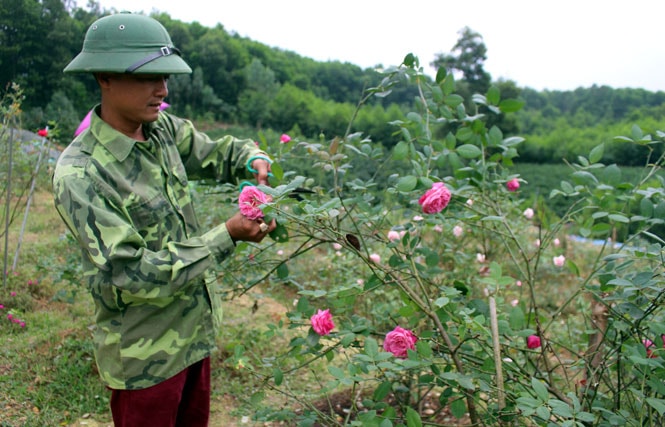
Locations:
column 541, row 44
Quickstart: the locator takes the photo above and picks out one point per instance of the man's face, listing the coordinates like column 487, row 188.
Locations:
column 135, row 97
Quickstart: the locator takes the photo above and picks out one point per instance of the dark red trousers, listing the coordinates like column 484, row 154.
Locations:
column 183, row 400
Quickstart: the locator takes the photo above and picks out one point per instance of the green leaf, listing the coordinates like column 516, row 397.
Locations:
column 401, row 150
column 278, row 375
column 458, row 408
column 540, row 389
column 597, row 153
column 517, row 318
column 493, row 95
column 464, row 134
column 336, row 372
column 371, row 347
column 283, row 271
column 468, row 151
column 619, row 218
column 407, row 183
column 280, row 234
column 382, row 391
column 511, row 105
column 412, row 418
column 657, row 404
column 423, row 348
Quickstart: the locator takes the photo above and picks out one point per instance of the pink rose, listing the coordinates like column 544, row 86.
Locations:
column 322, row 322
column 249, row 201
column 284, row 139
column 559, row 261
column 393, row 235
column 528, row 212
column 533, row 341
column 398, row 341
column 513, row 184
column 375, row 258
column 42, row 132
column 649, row 346
column 435, row 199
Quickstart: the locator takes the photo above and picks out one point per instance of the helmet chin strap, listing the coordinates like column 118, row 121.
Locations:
column 163, row 51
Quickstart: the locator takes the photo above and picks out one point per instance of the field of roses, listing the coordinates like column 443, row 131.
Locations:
column 440, row 295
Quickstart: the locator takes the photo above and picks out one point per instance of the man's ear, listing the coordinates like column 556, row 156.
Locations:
column 102, row 79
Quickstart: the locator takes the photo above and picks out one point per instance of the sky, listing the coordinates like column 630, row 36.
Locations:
column 541, row 44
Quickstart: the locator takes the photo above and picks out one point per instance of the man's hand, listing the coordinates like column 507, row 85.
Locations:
column 262, row 168
column 241, row 228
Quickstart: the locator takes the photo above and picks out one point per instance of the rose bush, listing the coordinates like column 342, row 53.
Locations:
column 472, row 316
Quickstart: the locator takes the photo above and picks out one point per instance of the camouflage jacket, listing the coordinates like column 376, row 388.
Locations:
column 148, row 267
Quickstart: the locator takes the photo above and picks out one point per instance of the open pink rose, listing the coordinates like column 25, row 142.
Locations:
column 250, row 200
column 435, row 199
column 513, row 185
column 533, row 341
column 398, row 341
column 284, row 139
column 322, row 322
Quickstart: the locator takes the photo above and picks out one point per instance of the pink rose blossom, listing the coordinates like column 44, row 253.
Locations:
column 649, row 346
column 514, row 302
column 559, row 260
column 398, row 341
column 435, row 199
column 393, row 235
column 469, row 202
column 2, row 306
column 322, row 322
column 557, row 242
column 12, row 293
column 513, row 185
column 438, row 228
column 480, row 257
column 418, row 218
column 533, row 341
column 249, row 201
column 458, row 231
column 528, row 213
column 284, row 139
column 337, row 246
column 375, row 258
column 518, row 283
column 42, row 132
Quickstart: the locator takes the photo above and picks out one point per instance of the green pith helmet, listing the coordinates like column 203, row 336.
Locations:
column 128, row 43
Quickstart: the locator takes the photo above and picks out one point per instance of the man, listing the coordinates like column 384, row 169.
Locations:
column 122, row 189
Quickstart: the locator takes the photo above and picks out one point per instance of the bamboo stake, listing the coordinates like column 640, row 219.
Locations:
column 497, row 355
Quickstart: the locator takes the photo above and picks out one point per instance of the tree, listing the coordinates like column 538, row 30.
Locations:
column 254, row 101
column 468, row 57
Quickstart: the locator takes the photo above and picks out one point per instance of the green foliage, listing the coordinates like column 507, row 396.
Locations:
column 590, row 358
